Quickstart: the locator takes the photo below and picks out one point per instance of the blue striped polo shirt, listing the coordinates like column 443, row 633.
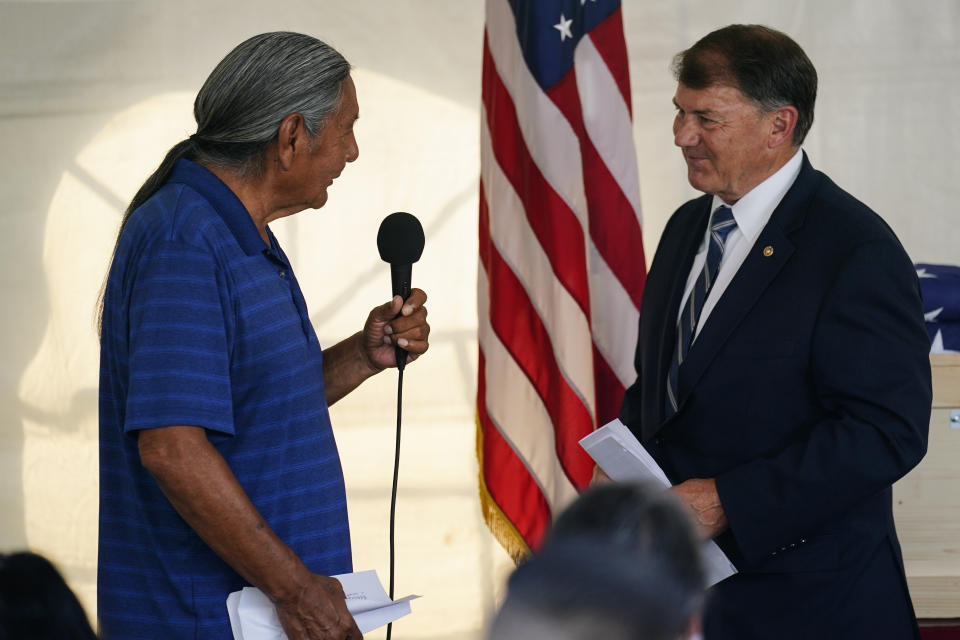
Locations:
column 205, row 325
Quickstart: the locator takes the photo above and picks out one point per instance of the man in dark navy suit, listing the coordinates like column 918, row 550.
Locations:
column 783, row 378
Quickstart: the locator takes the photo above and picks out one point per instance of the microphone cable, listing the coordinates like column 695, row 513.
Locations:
column 396, row 472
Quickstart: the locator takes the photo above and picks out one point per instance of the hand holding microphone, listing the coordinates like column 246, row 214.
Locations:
column 400, row 326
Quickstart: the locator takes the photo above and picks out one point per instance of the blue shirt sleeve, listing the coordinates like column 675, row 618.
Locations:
column 179, row 345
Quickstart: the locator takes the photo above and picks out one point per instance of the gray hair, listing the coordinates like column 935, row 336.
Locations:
column 266, row 78
column 766, row 65
column 240, row 106
column 242, row 103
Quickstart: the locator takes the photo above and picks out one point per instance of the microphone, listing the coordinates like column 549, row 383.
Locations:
column 400, row 242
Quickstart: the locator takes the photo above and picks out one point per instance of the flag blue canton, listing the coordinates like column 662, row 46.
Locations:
column 549, row 31
column 940, row 285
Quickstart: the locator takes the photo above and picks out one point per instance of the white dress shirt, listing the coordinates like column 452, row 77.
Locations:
column 752, row 212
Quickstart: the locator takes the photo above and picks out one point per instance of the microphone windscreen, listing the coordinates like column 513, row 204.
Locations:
column 400, row 238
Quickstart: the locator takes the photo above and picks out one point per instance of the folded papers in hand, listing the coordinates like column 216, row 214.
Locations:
column 621, row 456
column 253, row 616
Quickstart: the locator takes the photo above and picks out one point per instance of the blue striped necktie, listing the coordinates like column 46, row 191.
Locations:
column 721, row 224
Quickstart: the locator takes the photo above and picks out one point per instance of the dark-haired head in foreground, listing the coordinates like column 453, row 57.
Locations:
column 623, row 561
column 35, row 602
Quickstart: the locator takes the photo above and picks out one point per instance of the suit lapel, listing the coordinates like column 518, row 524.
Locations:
column 679, row 258
column 754, row 276
column 756, row 273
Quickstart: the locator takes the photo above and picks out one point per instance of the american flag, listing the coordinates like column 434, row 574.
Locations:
column 561, row 253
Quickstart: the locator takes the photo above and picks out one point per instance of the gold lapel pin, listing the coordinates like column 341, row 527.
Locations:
column 767, row 251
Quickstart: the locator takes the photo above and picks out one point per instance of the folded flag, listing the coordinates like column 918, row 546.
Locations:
column 940, row 285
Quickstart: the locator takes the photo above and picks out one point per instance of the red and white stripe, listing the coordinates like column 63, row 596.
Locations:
column 562, row 270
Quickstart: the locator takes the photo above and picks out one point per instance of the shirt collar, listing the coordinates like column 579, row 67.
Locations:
column 753, row 211
column 224, row 202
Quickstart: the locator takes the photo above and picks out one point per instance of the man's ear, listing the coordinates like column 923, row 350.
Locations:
column 783, row 122
column 291, row 140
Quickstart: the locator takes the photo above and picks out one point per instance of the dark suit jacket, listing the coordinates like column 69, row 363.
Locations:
column 806, row 395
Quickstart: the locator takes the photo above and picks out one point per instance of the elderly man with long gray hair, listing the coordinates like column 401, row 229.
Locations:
column 218, row 466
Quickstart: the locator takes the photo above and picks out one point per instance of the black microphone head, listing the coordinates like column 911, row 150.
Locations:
column 400, row 239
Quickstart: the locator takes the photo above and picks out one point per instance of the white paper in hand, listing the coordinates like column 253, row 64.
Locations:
column 368, row 601
column 253, row 616
column 258, row 617
column 233, row 604
column 621, row 456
